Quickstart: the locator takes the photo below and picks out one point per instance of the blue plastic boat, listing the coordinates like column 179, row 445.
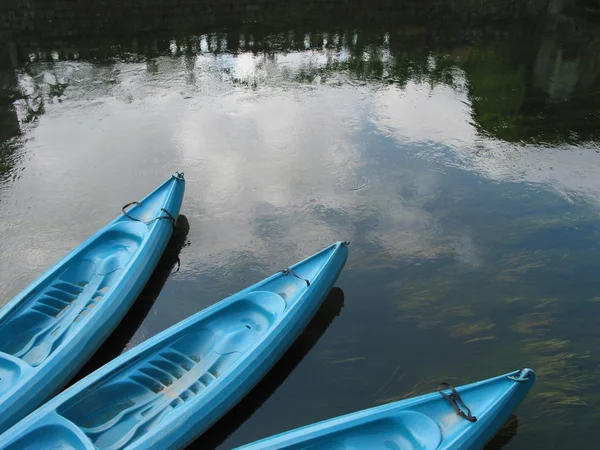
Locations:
column 465, row 418
column 54, row 326
column 171, row 388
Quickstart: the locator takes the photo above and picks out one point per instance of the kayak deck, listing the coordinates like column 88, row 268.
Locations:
column 46, row 319
column 169, row 389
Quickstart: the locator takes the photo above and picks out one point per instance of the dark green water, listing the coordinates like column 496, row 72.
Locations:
column 463, row 163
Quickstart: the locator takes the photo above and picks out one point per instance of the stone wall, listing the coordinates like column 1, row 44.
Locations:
column 22, row 20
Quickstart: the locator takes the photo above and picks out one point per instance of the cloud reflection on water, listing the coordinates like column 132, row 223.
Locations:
column 275, row 154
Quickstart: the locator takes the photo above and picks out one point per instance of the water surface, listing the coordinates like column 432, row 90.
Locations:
column 462, row 164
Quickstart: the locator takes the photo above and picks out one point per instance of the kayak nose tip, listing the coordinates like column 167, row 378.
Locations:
column 525, row 374
column 178, row 176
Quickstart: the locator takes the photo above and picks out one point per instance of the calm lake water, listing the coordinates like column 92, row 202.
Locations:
column 462, row 164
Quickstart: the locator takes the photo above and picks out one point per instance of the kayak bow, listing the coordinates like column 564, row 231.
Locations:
column 464, row 418
column 53, row 327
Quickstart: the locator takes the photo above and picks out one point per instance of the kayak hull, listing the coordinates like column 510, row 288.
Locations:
column 53, row 327
column 422, row 423
column 171, row 388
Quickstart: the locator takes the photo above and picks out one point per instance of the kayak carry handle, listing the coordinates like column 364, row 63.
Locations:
column 522, row 375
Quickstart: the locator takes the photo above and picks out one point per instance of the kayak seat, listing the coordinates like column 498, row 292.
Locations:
column 128, row 404
column 60, row 437
column 10, row 369
column 33, row 331
column 407, row 430
column 240, row 325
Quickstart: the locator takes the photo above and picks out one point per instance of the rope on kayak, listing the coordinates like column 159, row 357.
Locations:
column 289, row 271
column 456, row 402
column 167, row 215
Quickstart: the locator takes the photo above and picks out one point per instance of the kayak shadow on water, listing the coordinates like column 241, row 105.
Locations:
column 123, row 333
column 235, row 418
column 505, row 435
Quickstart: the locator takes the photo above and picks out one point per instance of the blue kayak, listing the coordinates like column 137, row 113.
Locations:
column 171, row 388
column 53, row 327
column 464, row 418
